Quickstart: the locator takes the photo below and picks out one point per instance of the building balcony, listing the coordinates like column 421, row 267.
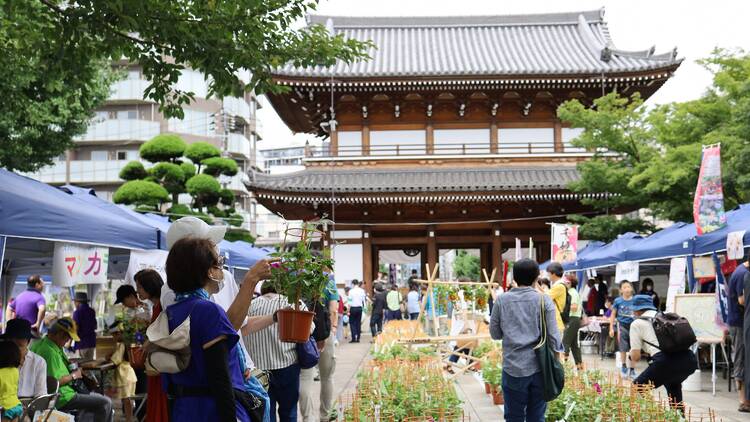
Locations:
column 129, row 90
column 237, row 107
column 237, row 183
column 239, row 145
column 256, row 126
column 120, row 130
column 82, row 172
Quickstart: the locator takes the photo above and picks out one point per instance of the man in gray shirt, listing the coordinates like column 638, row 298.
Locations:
column 516, row 321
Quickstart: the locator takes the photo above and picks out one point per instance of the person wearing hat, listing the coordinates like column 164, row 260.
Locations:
column 85, row 319
column 32, row 376
column 669, row 370
column 92, row 406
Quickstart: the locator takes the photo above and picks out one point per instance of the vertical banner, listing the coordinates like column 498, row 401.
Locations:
column 519, row 254
column 735, row 246
column 79, row 264
column 708, row 204
column 677, row 270
column 722, row 298
column 564, row 242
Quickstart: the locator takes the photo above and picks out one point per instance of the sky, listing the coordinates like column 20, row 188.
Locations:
column 695, row 27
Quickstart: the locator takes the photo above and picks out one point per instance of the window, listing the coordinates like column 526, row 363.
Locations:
column 99, row 156
column 101, row 116
column 462, row 141
column 568, row 134
column 526, row 140
column 126, row 155
column 122, row 155
column 127, row 114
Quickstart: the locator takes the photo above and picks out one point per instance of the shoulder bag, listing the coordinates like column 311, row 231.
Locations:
column 552, row 370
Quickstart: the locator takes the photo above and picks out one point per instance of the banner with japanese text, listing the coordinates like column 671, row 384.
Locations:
column 79, row 264
column 708, row 204
column 564, row 242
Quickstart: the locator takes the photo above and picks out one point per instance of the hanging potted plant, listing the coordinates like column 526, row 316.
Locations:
column 301, row 274
column 480, row 296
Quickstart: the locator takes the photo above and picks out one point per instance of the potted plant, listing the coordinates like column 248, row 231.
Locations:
column 301, row 275
column 492, row 373
column 480, row 297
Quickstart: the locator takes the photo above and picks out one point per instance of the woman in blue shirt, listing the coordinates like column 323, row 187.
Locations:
column 212, row 387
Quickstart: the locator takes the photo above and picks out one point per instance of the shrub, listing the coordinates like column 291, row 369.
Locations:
column 200, row 151
column 188, row 169
column 141, row 192
column 204, row 189
column 235, row 234
column 219, row 165
column 133, row 170
column 178, row 211
column 227, row 197
column 164, row 147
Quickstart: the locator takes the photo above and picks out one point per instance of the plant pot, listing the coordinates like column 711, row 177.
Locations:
column 476, row 366
column 497, row 397
column 487, row 388
column 294, row 326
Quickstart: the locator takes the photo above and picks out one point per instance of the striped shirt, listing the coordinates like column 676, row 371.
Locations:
column 264, row 346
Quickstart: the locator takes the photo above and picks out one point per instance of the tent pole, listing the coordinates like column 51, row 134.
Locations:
column 4, row 290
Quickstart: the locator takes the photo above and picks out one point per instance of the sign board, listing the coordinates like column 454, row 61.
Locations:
column 155, row 259
column 700, row 311
column 708, row 204
column 735, row 248
column 626, row 271
column 564, row 242
column 79, row 264
column 703, row 267
column 677, row 272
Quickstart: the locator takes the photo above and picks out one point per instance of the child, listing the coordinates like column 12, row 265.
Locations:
column 622, row 311
column 125, row 379
column 10, row 359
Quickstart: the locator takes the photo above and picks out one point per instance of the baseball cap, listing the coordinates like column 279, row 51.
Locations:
column 69, row 326
column 194, row 227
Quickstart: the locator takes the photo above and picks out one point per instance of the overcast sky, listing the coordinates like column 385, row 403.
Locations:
column 695, row 27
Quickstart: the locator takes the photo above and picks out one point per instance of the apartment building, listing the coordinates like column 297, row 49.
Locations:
column 127, row 120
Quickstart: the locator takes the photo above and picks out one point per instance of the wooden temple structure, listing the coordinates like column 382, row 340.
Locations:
column 448, row 136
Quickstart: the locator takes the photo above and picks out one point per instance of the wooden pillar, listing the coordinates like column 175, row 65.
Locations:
column 334, row 143
column 494, row 144
column 497, row 251
column 558, row 137
column 484, row 257
column 432, row 250
column 366, row 140
column 367, row 260
column 429, row 139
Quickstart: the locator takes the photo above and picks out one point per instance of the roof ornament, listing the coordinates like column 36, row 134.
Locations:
column 364, row 112
column 606, row 54
column 310, row 95
column 462, row 109
column 397, row 111
column 526, row 108
column 429, row 110
column 495, row 106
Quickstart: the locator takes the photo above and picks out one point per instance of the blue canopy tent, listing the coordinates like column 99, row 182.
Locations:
column 609, row 254
column 673, row 241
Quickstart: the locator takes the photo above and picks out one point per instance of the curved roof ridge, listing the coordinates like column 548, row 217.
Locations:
column 561, row 18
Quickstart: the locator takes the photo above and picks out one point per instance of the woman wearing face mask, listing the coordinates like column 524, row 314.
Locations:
column 148, row 285
column 212, row 387
column 648, row 289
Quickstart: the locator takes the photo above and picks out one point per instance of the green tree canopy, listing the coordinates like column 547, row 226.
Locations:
column 56, row 56
column 651, row 158
column 204, row 189
column 226, row 197
column 199, row 151
column 466, row 265
column 163, row 147
column 220, row 165
column 141, row 193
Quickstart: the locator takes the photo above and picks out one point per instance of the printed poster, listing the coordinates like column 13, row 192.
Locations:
column 74, row 264
column 677, row 273
column 626, row 271
column 703, row 267
column 564, row 243
column 519, row 254
column 735, row 248
column 708, row 204
column 155, row 259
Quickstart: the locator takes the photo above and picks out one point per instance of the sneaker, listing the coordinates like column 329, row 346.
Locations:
column 624, row 373
column 633, row 375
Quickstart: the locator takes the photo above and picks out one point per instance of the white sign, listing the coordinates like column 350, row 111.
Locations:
column 735, row 248
column 79, row 264
column 155, row 259
column 626, row 270
column 700, row 311
column 564, row 242
column 677, row 271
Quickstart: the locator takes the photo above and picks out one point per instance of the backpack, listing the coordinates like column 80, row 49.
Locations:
column 673, row 332
column 565, row 312
column 167, row 352
column 322, row 319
